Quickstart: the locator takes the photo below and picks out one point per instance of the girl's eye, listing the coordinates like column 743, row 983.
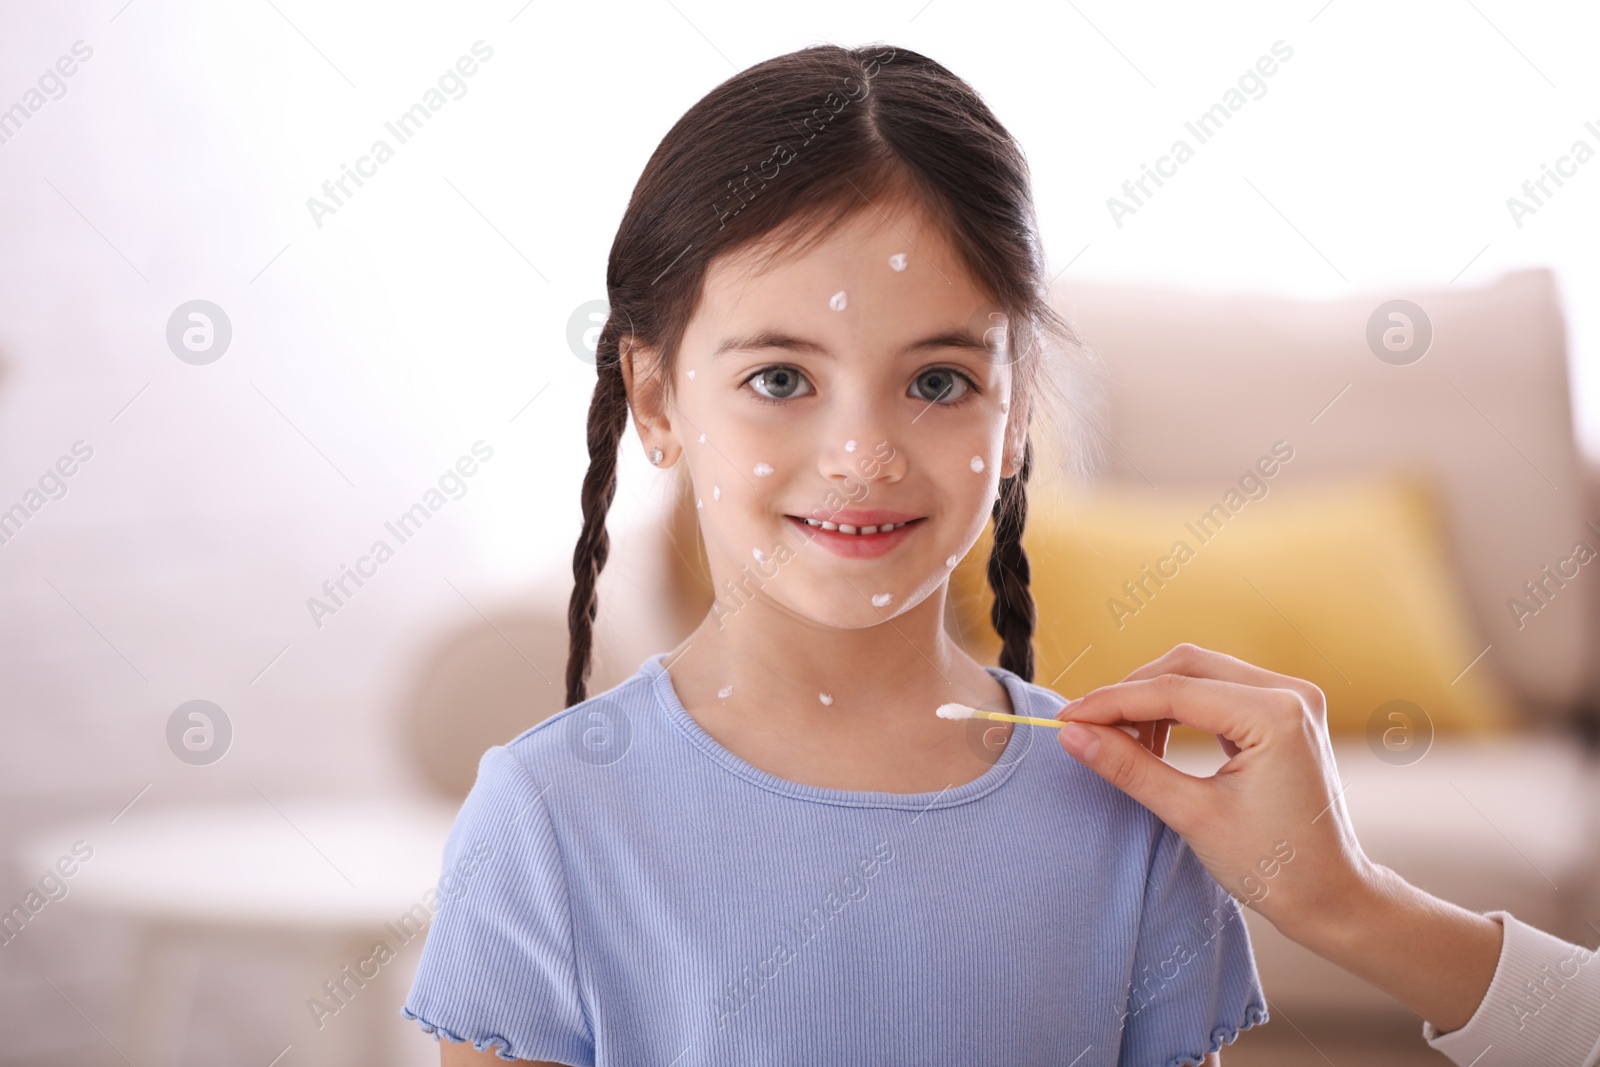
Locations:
column 777, row 382
column 942, row 385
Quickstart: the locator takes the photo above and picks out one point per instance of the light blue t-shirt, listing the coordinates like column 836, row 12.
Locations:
column 621, row 889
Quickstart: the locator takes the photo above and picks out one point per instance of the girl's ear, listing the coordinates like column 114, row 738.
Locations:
column 647, row 395
column 1016, row 439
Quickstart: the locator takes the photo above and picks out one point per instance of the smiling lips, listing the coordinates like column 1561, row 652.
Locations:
column 846, row 528
column 858, row 534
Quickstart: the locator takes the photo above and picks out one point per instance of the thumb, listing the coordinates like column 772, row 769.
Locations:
column 1132, row 768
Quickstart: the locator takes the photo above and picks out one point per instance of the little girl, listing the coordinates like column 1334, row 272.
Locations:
column 765, row 847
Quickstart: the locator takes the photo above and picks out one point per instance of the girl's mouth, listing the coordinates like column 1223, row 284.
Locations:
column 855, row 542
column 857, row 531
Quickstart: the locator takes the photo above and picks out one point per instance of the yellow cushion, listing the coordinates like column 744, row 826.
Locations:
column 1345, row 584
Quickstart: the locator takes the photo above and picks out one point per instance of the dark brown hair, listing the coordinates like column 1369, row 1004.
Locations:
column 782, row 153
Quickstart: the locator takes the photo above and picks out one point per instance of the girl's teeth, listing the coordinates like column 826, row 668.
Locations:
column 845, row 527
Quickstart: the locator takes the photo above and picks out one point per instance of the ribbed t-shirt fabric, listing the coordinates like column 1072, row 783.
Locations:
column 621, row 889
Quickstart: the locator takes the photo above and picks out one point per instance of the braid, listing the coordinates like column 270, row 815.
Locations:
column 608, row 417
column 1013, row 611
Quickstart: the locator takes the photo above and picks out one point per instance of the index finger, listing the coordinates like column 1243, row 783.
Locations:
column 1217, row 707
column 1197, row 662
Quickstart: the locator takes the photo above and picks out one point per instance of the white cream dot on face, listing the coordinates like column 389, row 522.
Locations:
column 716, row 492
column 1005, row 405
column 898, row 261
column 951, row 561
column 690, row 373
column 849, row 446
column 826, row 698
column 837, row 301
column 763, row 469
column 756, row 552
column 699, row 503
column 977, row 464
column 881, row 599
column 702, row 438
column 725, row 692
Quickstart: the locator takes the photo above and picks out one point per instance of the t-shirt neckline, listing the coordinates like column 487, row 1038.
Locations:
column 1017, row 747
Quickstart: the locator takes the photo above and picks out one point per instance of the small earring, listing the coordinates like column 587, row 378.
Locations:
column 655, row 456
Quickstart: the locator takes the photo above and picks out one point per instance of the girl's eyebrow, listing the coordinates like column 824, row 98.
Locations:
column 763, row 339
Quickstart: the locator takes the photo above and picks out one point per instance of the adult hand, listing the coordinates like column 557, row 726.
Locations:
column 1271, row 826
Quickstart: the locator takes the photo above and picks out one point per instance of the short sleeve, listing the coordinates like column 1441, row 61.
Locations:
column 1194, row 984
column 498, row 965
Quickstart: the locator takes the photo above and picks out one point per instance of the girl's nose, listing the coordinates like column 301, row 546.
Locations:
column 865, row 457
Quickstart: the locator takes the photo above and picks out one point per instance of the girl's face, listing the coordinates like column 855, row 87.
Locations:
column 862, row 383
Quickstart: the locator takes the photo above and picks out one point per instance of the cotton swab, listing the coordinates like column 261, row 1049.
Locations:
column 961, row 711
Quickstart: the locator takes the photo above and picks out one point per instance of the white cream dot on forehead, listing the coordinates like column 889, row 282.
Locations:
column 826, row 698
column 881, row 599
column 690, row 373
column 837, row 301
column 951, row 561
column 716, row 492
column 977, row 464
column 725, row 692
column 850, row 446
column 702, row 438
column 762, row 469
column 898, row 261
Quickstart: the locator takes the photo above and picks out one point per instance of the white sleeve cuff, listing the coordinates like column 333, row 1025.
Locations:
column 1543, row 1005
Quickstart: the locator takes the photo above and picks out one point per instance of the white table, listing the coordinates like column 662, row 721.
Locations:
column 315, row 880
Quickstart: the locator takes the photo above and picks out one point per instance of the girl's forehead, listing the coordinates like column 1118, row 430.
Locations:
column 884, row 264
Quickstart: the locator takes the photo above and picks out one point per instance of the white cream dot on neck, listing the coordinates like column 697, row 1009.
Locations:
column 898, row 261
column 977, row 464
column 725, row 692
column 763, row 469
column 951, row 561
column 826, row 698
column 837, row 301
column 881, row 599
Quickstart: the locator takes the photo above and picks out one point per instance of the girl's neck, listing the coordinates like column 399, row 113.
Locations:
column 843, row 709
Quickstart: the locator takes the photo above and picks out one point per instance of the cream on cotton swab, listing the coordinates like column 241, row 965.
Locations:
column 961, row 711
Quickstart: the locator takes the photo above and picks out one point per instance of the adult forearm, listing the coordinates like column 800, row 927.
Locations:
column 1434, row 957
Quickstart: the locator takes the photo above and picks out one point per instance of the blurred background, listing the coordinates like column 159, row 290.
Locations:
column 235, row 732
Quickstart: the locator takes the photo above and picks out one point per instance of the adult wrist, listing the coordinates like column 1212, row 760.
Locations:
column 1331, row 921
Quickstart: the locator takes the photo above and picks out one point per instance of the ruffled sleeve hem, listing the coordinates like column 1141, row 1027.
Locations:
column 1222, row 1035
column 480, row 1045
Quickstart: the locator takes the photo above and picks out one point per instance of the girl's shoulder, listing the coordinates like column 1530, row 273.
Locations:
column 1038, row 700
column 591, row 734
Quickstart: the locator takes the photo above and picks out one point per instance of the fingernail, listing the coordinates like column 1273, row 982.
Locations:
column 1131, row 731
column 1080, row 742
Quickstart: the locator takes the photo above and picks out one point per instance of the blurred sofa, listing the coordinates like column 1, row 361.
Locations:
column 1200, row 386
column 1499, row 808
